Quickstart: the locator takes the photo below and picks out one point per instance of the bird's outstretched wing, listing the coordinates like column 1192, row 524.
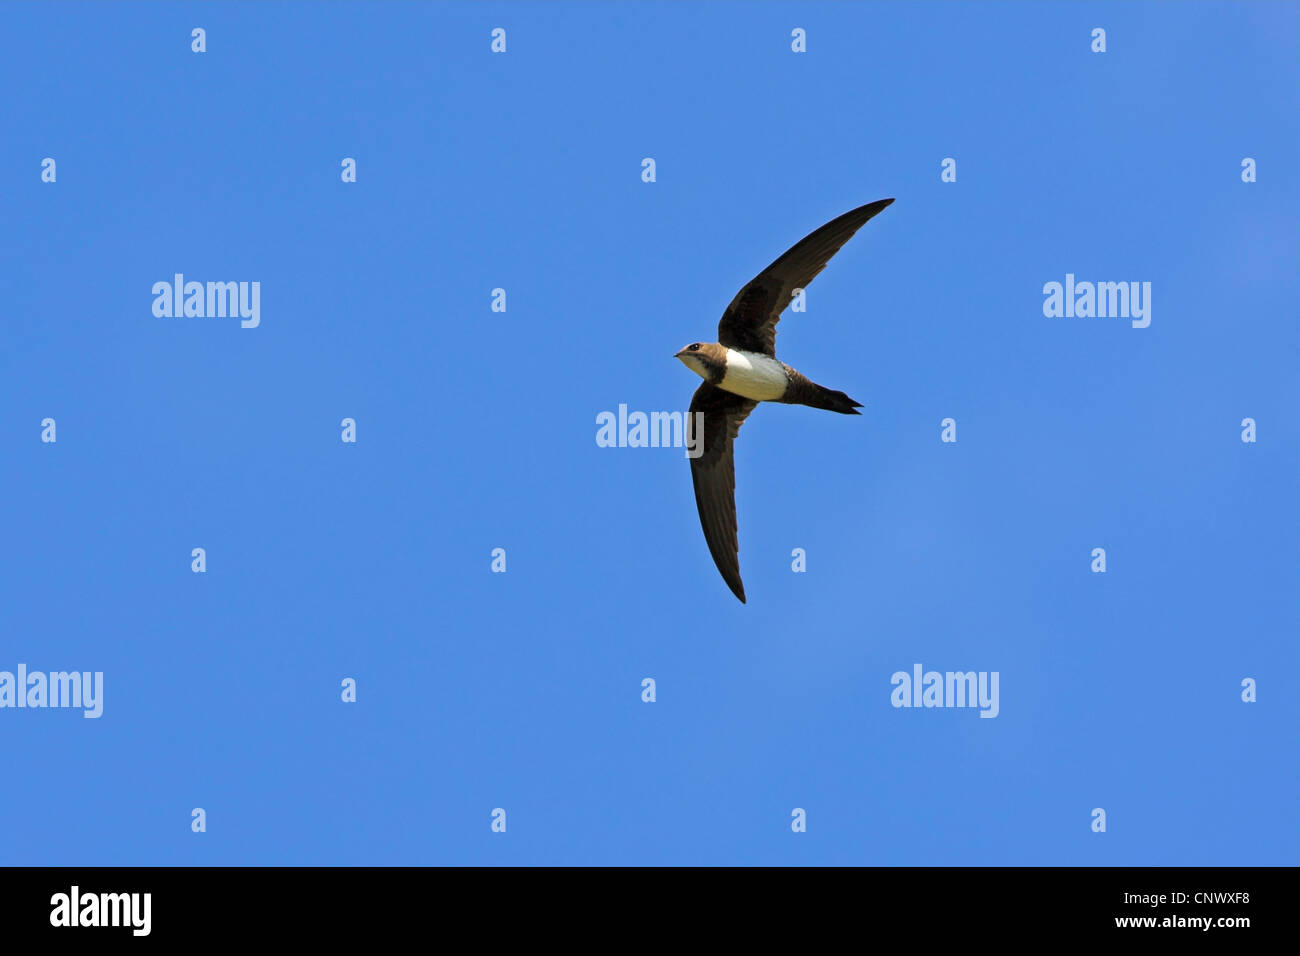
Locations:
column 714, row 475
column 750, row 321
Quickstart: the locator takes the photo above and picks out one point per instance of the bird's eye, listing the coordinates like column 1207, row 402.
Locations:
column 695, row 347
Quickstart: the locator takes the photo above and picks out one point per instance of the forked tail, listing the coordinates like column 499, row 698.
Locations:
column 821, row 397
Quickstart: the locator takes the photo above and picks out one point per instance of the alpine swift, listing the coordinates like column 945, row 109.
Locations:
column 741, row 369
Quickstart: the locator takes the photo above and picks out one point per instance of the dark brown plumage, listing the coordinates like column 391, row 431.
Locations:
column 749, row 326
column 750, row 321
column 714, row 475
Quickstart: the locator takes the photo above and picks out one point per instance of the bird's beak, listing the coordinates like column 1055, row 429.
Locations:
column 679, row 352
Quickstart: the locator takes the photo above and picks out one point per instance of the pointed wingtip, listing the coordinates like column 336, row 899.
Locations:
column 875, row 208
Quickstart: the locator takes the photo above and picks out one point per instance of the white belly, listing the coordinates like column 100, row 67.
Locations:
column 754, row 376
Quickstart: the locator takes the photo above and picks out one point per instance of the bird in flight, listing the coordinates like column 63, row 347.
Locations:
column 741, row 369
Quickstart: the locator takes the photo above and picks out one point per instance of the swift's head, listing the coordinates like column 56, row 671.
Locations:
column 708, row 360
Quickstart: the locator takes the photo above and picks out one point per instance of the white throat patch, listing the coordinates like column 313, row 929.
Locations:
column 754, row 375
column 695, row 365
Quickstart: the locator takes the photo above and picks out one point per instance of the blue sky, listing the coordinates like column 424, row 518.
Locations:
column 476, row 430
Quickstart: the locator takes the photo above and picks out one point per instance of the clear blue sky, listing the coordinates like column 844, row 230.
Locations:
column 476, row 430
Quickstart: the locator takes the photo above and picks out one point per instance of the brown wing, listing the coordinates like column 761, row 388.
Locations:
column 714, row 475
column 750, row 321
